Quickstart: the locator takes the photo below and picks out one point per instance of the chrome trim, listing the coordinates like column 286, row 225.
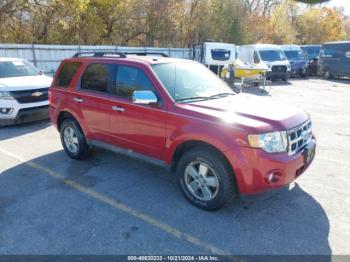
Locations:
column 298, row 137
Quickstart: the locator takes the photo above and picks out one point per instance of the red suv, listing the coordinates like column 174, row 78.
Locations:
column 177, row 113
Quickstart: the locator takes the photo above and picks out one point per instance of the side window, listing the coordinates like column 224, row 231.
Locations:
column 97, row 77
column 130, row 79
column 328, row 52
column 67, row 73
column 256, row 58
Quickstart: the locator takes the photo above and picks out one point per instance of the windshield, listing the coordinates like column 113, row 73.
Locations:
column 272, row 55
column 17, row 68
column 295, row 54
column 312, row 51
column 191, row 81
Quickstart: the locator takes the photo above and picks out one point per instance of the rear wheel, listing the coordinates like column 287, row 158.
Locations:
column 73, row 140
column 205, row 179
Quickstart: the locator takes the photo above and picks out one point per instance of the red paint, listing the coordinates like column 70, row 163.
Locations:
column 158, row 130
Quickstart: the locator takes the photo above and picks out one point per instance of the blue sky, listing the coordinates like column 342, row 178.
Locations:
column 340, row 4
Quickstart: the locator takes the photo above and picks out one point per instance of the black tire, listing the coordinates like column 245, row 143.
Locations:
column 83, row 150
column 226, row 182
column 328, row 75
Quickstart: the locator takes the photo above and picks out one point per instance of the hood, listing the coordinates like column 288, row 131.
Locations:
column 255, row 114
column 25, row 82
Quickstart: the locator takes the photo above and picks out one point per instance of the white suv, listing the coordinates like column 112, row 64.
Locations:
column 23, row 92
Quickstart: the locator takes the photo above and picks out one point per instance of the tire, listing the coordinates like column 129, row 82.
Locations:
column 217, row 170
column 71, row 133
column 328, row 75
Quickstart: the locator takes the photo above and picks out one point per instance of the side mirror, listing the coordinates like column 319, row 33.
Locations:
column 144, row 97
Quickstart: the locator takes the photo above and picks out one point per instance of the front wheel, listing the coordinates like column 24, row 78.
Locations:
column 328, row 75
column 206, row 179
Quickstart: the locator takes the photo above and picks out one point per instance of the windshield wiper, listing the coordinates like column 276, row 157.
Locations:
column 221, row 95
column 193, row 98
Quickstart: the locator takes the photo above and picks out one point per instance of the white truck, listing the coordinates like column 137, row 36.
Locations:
column 215, row 55
column 23, row 92
column 271, row 55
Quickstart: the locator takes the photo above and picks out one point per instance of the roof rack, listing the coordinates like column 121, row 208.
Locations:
column 146, row 53
column 112, row 53
column 99, row 54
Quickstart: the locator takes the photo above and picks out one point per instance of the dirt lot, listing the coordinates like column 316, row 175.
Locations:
column 113, row 204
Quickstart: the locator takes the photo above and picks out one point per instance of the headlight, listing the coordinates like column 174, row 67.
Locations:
column 5, row 95
column 275, row 142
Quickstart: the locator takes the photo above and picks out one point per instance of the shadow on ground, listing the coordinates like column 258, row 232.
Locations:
column 43, row 215
column 7, row 132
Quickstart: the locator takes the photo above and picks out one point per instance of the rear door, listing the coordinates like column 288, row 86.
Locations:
column 92, row 99
column 136, row 127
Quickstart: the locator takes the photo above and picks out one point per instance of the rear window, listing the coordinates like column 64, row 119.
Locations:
column 97, row 77
column 66, row 74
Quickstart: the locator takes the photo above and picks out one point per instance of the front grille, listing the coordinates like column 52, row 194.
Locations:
column 31, row 96
column 298, row 137
column 279, row 69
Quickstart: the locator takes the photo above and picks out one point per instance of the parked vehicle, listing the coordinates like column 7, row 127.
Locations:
column 297, row 60
column 23, row 92
column 249, row 65
column 214, row 55
column 312, row 52
column 334, row 60
column 178, row 113
column 272, row 55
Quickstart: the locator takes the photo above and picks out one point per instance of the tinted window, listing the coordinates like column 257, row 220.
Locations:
column 220, row 54
column 272, row 55
column 66, row 74
column 328, row 52
column 17, row 68
column 97, row 77
column 130, row 79
column 295, row 54
column 312, row 51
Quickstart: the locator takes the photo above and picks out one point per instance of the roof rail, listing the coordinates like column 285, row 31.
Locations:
column 146, row 53
column 99, row 54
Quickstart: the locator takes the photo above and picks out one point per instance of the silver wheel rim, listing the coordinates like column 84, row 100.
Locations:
column 201, row 181
column 71, row 139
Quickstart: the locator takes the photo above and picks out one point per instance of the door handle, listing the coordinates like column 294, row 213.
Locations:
column 78, row 99
column 118, row 108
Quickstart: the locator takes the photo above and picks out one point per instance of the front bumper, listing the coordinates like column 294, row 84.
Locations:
column 278, row 75
column 25, row 115
column 256, row 165
column 299, row 71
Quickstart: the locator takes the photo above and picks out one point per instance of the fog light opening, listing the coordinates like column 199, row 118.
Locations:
column 6, row 111
column 274, row 177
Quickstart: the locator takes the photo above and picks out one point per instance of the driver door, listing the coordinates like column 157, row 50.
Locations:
column 140, row 128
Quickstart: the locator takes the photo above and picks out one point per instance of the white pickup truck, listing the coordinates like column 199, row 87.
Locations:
column 23, row 92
